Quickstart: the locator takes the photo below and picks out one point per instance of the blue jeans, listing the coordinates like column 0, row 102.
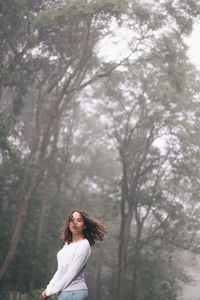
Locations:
column 73, row 295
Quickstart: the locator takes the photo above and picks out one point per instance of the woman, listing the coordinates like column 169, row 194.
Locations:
column 79, row 233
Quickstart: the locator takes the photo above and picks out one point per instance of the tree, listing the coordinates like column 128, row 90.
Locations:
column 56, row 79
column 147, row 101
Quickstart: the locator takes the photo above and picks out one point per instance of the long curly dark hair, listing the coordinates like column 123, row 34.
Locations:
column 94, row 231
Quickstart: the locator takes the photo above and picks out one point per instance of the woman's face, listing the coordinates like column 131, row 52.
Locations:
column 77, row 224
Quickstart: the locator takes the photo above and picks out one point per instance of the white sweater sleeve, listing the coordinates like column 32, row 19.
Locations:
column 64, row 276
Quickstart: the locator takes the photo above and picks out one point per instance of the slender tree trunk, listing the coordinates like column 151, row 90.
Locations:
column 31, row 156
column 18, row 296
column 2, row 88
column 126, row 219
column 136, row 262
column 25, row 296
column 123, row 247
column 47, row 184
column 98, row 281
column 10, row 295
column 135, row 278
column 140, row 224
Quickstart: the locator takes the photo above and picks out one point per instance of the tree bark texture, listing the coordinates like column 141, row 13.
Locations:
column 126, row 220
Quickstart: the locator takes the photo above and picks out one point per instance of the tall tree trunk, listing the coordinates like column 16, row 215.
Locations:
column 126, row 220
column 136, row 262
column 140, row 223
column 98, row 281
column 123, row 247
column 135, row 281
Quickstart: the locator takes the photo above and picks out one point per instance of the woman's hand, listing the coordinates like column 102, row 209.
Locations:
column 44, row 295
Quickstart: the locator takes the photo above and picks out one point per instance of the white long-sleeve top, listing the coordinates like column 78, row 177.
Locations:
column 72, row 259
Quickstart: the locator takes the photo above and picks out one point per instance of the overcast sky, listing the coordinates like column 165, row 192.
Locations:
column 194, row 44
column 117, row 46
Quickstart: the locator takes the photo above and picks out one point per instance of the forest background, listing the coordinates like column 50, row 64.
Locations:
column 117, row 136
